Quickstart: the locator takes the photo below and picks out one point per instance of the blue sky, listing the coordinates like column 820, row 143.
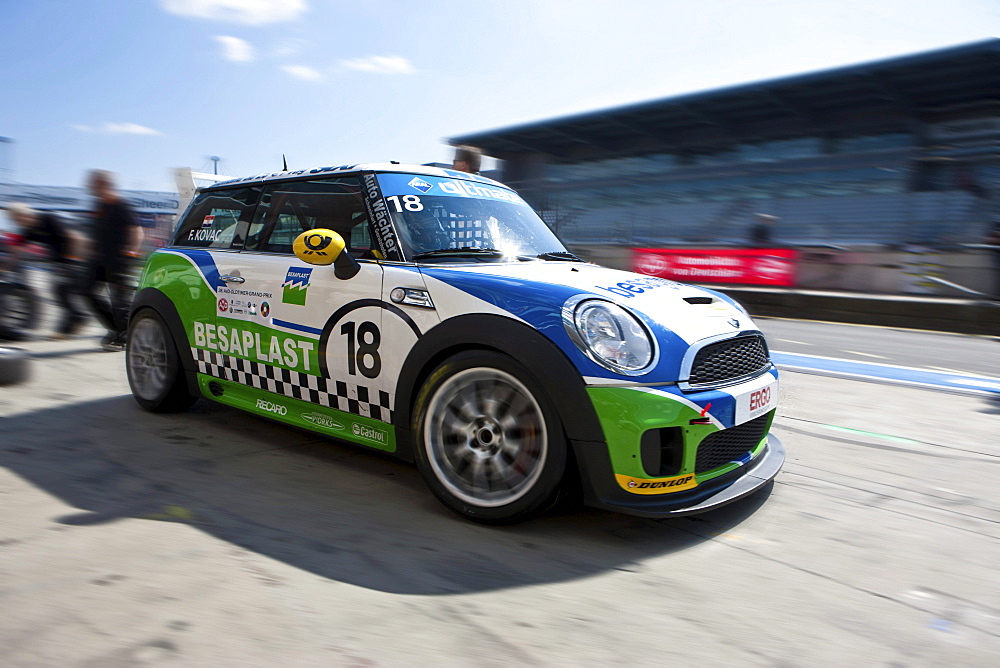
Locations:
column 142, row 86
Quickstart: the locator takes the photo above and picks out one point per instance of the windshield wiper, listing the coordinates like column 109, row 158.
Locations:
column 465, row 250
column 560, row 255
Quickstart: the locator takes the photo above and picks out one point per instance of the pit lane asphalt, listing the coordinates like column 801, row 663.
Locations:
column 216, row 537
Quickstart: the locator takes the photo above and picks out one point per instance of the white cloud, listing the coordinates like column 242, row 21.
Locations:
column 380, row 65
column 128, row 129
column 118, row 129
column 249, row 12
column 303, row 72
column 235, row 49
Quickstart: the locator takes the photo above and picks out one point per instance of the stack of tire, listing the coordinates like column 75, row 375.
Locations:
column 19, row 312
column 13, row 365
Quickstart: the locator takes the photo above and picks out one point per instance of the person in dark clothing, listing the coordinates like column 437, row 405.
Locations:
column 66, row 248
column 762, row 229
column 993, row 239
column 467, row 159
column 116, row 237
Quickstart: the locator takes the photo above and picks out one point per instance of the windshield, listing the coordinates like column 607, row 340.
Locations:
column 453, row 220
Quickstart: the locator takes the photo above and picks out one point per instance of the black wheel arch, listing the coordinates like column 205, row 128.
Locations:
column 154, row 299
column 532, row 349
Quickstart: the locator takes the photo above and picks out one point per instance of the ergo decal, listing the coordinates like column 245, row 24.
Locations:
column 760, row 399
column 381, row 222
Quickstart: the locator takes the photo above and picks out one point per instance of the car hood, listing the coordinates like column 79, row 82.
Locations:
column 685, row 311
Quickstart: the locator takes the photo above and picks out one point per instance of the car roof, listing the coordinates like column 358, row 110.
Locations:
column 385, row 167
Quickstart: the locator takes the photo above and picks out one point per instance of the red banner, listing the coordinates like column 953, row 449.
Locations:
column 739, row 266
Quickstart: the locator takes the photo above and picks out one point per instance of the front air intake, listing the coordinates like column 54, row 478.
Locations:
column 729, row 360
column 729, row 445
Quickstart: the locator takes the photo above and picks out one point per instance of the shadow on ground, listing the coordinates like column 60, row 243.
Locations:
column 339, row 511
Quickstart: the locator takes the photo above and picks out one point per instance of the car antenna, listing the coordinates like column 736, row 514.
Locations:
column 284, row 163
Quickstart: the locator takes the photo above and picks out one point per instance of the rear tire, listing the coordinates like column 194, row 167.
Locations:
column 154, row 369
column 489, row 444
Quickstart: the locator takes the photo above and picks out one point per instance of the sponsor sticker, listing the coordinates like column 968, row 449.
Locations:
column 637, row 286
column 324, row 421
column 419, row 184
column 294, row 353
column 378, row 213
column 271, row 407
column 656, row 485
column 223, row 304
column 295, row 286
column 369, row 433
column 265, row 309
column 757, row 399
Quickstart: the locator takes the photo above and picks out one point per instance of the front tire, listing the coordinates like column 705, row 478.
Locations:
column 153, row 364
column 489, row 444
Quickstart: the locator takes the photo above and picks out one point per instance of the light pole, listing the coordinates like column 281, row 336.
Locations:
column 6, row 170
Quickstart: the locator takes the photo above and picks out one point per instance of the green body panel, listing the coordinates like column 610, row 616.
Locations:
column 327, row 421
column 177, row 278
column 196, row 304
column 625, row 413
column 180, row 281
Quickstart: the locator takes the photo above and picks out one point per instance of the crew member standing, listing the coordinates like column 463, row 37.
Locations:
column 762, row 231
column 66, row 248
column 993, row 239
column 467, row 159
column 116, row 237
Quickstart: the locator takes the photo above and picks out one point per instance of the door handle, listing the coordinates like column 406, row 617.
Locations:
column 233, row 279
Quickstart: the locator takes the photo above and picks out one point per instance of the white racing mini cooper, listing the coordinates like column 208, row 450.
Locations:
column 432, row 314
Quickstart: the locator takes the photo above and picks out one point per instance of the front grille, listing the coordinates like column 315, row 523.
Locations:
column 730, row 444
column 730, row 359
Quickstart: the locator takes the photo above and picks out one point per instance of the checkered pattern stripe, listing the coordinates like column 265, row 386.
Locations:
column 347, row 397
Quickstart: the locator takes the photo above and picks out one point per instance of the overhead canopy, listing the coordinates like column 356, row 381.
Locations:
column 896, row 94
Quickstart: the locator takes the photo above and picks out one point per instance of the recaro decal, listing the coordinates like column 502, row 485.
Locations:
column 381, row 223
column 271, row 407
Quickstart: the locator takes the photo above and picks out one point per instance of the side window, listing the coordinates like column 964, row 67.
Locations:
column 217, row 219
column 288, row 209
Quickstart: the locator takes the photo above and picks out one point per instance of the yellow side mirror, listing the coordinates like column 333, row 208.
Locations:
column 319, row 246
column 323, row 247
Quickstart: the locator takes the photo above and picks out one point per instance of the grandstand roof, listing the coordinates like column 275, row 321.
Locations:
column 894, row 94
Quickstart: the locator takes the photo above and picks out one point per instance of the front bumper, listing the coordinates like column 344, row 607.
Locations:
column 602, row 491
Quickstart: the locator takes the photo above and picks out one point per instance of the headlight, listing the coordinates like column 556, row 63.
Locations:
column 612, row 337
